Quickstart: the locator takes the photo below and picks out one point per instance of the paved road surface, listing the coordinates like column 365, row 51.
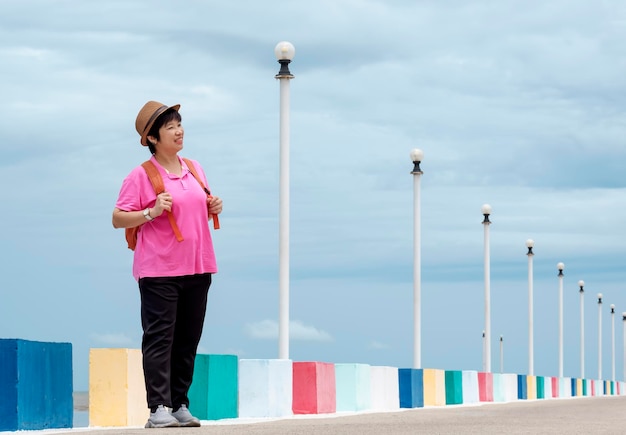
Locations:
column 581, row 415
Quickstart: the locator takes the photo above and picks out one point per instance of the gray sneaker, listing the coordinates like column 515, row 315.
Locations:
column 161, row 418
column 184, row 417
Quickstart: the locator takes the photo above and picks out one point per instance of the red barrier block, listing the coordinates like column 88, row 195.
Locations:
column 555, row 387
column 314, row 390
column 485, row 387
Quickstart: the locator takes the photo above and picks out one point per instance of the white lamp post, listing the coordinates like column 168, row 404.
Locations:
column 581, row 284
column 484, row 350
column 599, row 336
column 284, row 52
column 486, row 210
column 624, row 344
column 613, row 342
column 560, row 266
column 416, row 157
column 501, row 354
column 531, row 359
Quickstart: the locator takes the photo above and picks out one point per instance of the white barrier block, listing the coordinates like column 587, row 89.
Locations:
column 547, row 387
column 510, row 387
column 470, row 386
column 385, row 388
column 565, row 387
column 265, row 388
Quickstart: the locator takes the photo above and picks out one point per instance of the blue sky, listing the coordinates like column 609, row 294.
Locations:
column 519, row 104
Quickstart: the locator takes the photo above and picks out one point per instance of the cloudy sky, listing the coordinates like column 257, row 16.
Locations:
column 518, row 104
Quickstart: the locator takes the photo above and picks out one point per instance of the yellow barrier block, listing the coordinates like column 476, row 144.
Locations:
column 579, row 387
column 531, row 387
column 434, row 387
column 117, row 393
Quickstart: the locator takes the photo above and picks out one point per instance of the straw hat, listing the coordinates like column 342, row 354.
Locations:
column 146, row 117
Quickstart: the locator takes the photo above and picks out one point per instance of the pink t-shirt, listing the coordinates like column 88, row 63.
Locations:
column 158, row 253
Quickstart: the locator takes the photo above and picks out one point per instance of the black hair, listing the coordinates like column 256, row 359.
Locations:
column 167, row 116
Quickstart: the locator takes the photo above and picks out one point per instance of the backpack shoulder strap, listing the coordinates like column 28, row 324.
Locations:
column 192, row 169
column 157, row 183
column 154, row 176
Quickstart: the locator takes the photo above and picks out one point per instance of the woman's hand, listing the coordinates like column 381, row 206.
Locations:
column 215, row 205
column 163, row 203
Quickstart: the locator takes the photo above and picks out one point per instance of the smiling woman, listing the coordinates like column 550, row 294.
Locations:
column 174, row 272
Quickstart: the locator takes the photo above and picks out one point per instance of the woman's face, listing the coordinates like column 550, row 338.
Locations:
column 171, row 137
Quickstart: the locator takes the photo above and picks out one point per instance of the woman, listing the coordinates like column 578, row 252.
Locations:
column 173, row 276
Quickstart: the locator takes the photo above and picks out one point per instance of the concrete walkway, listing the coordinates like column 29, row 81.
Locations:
column 581, row 415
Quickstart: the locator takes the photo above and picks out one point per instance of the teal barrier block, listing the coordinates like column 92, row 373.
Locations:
column 522, row 392
column 498, row 387
column 214, row 391
column 454, row 387
column 35, row 385
column 353, row 384
column 541, row 387
column 584, row 387
column 411, row 384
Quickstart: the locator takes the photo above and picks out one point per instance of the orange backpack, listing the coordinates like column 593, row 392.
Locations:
column 157, row 185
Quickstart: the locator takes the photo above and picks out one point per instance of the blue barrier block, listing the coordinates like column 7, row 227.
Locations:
column 522, row 385
column 411, row 383
column 35, row 385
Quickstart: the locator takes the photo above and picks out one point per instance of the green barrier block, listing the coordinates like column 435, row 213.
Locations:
column 454, row 387
column 541, row 387
column 214, row 391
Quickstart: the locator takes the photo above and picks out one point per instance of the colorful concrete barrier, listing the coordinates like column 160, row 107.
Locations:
column 485, row 386
column 117, row 392
column 35, row 385
column 541, row 387
column 265, row 388
column 225, row 387
column 214, row 390
column 522, row 387
column 531, row 387
column 353, row 387
column 411, row 388
column 470, row 386
column 434, row 387
column 562, row 388
column 510, row 385
column 498, row 387
column 454, row 387
column 314, row 388
column 385, row 391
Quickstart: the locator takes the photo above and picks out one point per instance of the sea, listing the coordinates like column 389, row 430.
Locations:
column 81, row 409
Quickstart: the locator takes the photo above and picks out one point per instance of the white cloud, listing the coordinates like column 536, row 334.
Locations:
column 268, row 330
column 377, row 345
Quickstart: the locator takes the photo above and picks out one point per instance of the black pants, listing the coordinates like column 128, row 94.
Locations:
column 172, row 317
